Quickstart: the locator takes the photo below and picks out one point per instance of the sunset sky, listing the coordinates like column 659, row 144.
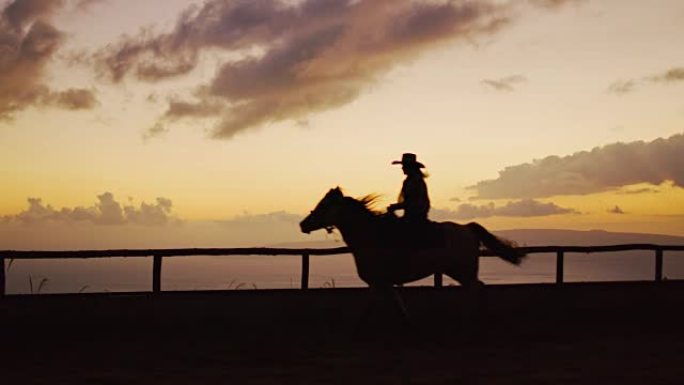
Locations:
column 222, row 122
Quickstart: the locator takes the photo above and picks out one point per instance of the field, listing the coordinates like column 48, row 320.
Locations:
column 621, row 333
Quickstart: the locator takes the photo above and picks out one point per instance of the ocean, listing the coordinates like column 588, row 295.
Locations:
column 284, row 272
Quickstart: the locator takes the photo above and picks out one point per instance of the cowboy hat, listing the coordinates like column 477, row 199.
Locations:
column 408, row 159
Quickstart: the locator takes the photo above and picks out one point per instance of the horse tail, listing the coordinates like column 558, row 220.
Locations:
column 504, row 248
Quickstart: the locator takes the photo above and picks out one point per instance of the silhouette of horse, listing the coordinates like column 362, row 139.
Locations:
column 385, row 254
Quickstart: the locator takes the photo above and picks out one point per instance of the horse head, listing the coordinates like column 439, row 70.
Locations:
column 326, row 213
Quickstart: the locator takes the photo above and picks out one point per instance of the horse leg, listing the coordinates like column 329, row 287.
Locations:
column 371, row 302
column 471, row 286
column 399, row 303
column 383, row 296
column 389, row 295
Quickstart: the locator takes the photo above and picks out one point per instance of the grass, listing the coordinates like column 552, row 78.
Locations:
column 41, row 284
column 330, row 284
column 234, row 285
column 9, row 265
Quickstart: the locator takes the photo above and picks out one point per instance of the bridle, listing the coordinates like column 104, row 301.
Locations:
column 329, row 229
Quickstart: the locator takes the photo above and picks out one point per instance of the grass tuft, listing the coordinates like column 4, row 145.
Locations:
column 235, row 285
column 41, row 284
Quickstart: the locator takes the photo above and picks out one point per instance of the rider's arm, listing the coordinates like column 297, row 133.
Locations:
column 401, row 202
column 395, row 206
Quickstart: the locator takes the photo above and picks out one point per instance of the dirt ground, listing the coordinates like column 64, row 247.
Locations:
column 623, row 333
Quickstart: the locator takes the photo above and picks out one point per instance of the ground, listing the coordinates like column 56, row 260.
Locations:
column 621, row 333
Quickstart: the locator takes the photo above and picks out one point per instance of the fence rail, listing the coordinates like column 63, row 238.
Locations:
column 159, row 254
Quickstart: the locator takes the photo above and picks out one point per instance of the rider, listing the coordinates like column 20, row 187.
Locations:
column 413, row 198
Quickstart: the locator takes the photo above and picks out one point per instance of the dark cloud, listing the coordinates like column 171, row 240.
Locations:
column 19, row 14
column 106, row 211
column 670, row 76
column 603, row 168
column 673, row 75
column 616, row 210
column 178, row 109
column 73, row 99
column 28, row 42
column 297, row 58
column 504, row 84
column 522, row 208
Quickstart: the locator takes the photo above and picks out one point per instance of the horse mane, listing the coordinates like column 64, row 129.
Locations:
column 366, row 204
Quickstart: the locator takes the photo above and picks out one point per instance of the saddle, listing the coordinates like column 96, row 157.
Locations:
column 414, row 235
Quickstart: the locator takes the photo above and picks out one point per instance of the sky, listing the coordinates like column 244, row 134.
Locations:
column 165, row 123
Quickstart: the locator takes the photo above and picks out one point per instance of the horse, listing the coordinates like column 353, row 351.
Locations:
column 383, row 255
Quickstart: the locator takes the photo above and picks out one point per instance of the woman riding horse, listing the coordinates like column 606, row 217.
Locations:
column 382, row 257
column 413, row 198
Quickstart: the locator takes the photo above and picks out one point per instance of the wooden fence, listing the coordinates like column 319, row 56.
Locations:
column 159, row 254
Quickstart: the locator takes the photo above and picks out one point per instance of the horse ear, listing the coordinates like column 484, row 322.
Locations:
column 336, row 191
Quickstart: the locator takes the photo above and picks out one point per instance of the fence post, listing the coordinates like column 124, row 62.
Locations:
column 438, row 280
column 2, row 276
column 305, row 271
column 156, row 274
column 559, row 266
column 659, row 265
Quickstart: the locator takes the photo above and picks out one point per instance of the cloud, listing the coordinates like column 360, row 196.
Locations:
column 622, row 86
column 671, row 76
column 291, row 60
column 21, row 13
column 522, row 208
column 601, row 169
column 28, row 42
column 87, row 4
column 261, row 219
column 72, row 99
column 643, row 190
column 155, row 131
column 247, row 230
column 616, row 210
column 150, row 214
column 106, row 211
column 554, row 3
column 504, row 84
column 263, row 228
